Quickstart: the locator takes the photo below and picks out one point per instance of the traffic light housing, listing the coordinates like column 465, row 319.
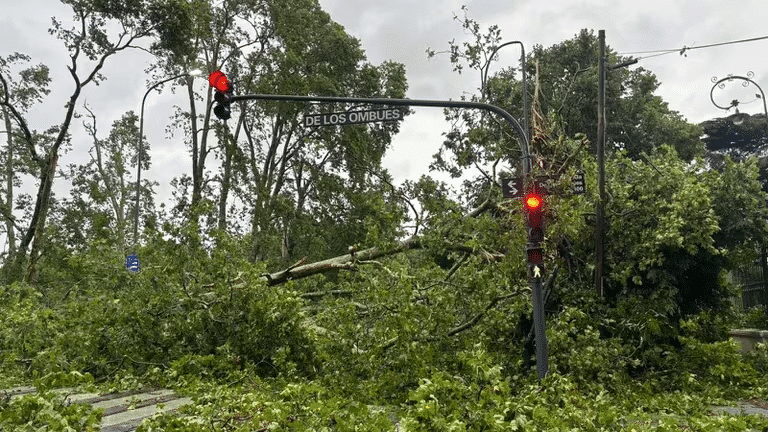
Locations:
column 223, row 94
column 535, row 256
column 533, row 204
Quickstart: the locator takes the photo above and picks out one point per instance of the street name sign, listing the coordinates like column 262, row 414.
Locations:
column 544, row 185
column 132, row 263
column 353, row 117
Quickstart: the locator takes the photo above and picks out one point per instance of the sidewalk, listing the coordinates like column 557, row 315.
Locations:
column 752, row 406
column 123, row 412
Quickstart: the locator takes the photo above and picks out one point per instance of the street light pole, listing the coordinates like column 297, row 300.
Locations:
column 537, row 296
column 141, row 151
column 746, row 81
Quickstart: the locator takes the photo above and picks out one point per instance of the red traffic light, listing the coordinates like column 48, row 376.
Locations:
column 219, row 81
column 533, row 202
column 223, row 94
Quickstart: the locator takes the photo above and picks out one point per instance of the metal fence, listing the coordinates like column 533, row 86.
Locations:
column 754, row 291
column 753, row 295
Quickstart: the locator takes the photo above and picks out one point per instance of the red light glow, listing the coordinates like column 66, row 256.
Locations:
column 533, row 202
column 219, row 81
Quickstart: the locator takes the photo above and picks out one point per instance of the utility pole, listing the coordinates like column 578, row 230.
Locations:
column 600, row 219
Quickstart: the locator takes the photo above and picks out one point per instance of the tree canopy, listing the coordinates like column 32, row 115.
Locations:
column 290, row 285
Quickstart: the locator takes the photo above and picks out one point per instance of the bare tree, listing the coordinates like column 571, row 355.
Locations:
column 89, row 46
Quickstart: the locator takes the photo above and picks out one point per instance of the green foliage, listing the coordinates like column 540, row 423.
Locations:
column 241, row 357
column 477, row 398
column 755, row 317
column 429, row 339
column 47, row 411
column 307, row 192
column 673, row 232
column 113, row 322
column 657, row 207
column 256, row 404
column 31, row 86
column 739, row 202
column 578, row 350
column 640, row 120
column 178, row 23
column 568, row 77
column 56, row 380
column 723, row 136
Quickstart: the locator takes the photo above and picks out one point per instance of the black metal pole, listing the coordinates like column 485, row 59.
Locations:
column 539, row 328
column 537, row 298
column 407, row 102
column 526, row 111
column 542, row 362
column 600, row 211
column 140, row 149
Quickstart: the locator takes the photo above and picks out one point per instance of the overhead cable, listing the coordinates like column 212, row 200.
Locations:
column 684, row 49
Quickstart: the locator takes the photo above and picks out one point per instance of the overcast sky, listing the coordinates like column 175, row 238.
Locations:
column 402, row 30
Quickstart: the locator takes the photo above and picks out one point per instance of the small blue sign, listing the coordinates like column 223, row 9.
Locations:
column 132, row 263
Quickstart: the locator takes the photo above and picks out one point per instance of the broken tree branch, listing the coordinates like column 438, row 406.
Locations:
column 343, row 262
column 349, row 261
column 476, row 319
column 462, row 327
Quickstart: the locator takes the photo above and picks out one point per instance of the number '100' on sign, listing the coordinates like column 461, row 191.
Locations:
column 579, row 184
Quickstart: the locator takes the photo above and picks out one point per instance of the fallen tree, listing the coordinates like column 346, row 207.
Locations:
column 343, row 262
column 349, row 261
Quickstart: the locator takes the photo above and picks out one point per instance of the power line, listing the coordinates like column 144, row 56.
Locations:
column 684, row 49
column 659, row 54
column 649, row 52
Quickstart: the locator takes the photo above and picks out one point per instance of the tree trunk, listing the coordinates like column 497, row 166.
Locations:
column 348, row 261
column 44, row 203
column 10, row 231
column 226, row 177
column 199, row 151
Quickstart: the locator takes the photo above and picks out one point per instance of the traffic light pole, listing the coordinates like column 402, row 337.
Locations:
column 535, row 277
column 407, row 102
column 539, row 327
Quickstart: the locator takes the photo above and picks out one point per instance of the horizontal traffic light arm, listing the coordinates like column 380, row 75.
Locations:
column 526, row 161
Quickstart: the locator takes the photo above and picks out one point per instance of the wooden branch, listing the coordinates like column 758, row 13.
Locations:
column 388, row 344
column 343, row 262
column 350, row 261
column 463, row 327
column 476, row 319
column 20, row 122
column 456, row 266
